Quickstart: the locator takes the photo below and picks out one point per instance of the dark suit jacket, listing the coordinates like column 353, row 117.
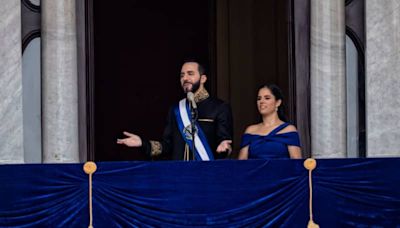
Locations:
column 215, row 119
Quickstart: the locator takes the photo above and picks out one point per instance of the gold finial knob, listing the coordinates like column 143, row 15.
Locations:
column 89, row 167
column 312, row 224
column 310, row 163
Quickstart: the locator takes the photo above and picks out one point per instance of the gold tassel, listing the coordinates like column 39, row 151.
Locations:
column 310, row 164
column 89, row 168
column 186, row 155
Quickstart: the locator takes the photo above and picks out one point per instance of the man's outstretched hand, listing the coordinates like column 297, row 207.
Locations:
column 132, row 140
column 225, row 146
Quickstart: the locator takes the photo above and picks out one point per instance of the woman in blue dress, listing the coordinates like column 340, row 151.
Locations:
column 272, row 138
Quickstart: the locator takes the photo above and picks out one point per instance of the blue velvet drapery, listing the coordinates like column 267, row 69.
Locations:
column 229, row 193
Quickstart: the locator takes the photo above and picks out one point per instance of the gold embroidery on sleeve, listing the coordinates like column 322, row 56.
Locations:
column 156, row 148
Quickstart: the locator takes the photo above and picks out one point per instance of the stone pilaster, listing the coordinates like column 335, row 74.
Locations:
column 11, row 118
column 383, row 77
column 328, row 82
column 59, row 82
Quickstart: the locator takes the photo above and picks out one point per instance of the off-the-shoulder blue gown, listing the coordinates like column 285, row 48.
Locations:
column 272, row 145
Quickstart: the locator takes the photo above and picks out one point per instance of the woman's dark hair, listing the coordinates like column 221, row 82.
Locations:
column 277, row 92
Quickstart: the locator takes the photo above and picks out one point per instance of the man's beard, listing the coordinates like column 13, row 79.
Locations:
column 194, row 88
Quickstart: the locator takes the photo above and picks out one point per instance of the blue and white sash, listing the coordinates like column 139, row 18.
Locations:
column 202, row 149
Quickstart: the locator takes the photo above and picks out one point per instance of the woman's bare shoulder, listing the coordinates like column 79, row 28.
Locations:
column 252, row 128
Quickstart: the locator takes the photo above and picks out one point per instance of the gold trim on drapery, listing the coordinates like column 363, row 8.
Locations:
column 310, row 164
column 89, row 168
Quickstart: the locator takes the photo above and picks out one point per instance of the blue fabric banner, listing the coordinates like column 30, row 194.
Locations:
column 223, row 193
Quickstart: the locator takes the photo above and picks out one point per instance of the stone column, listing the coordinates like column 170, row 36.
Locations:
column 59, row 87
column 328, row 84
column 383, row 77
column 11, row 130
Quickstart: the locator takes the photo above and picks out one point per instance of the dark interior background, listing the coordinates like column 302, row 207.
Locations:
column 139, row 47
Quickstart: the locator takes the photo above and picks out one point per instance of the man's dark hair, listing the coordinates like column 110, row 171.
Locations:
column 201, row 68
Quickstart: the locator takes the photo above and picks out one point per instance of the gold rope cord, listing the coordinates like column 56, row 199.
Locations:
column 89, row 168
column 310, row 164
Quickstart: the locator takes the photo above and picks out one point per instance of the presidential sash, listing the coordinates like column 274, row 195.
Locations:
column 183, row 119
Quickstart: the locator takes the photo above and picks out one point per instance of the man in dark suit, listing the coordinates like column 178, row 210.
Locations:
column 213, row 123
